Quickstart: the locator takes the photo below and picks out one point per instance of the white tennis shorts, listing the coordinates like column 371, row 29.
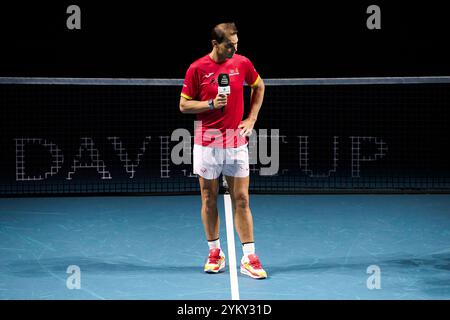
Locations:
column 210, row 162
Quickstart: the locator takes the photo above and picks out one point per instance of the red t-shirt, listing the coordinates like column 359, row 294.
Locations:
column 219, row 127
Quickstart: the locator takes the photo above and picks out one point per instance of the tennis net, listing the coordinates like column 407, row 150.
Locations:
column 78, row 135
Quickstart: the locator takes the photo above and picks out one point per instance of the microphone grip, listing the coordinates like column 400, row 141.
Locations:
column 224, row 90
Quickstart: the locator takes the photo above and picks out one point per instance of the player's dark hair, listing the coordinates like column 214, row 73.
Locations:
column 218, row 33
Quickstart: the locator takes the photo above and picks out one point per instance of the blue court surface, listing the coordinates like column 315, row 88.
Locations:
column 153, row 247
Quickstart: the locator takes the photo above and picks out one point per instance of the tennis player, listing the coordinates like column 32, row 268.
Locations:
column 220, row 142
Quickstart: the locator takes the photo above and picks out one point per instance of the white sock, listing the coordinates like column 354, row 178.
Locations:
column 248, row 248
column 214, row 244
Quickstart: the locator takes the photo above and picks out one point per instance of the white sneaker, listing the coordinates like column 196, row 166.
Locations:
column 215, row 262
column 251, row 266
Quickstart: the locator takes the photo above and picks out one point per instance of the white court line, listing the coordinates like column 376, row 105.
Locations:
column 231, row 247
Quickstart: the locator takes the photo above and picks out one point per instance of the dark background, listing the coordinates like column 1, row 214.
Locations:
column 285, row 39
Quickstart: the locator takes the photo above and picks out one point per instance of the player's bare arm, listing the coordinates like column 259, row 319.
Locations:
column 195, row 106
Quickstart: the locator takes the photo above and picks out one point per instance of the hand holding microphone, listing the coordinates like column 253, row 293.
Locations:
column 220, row 101
column 223, row 90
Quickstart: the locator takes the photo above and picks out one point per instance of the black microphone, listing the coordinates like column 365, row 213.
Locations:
column 224, row 85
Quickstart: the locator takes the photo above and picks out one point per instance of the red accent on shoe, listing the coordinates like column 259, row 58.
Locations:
column 214, row 255
column 254, row 261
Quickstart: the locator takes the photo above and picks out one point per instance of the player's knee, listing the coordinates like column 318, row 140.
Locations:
column 209, row 199
column 241, row 199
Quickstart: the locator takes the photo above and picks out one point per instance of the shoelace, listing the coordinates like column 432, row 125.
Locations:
column 255, row 263
column 213, row 260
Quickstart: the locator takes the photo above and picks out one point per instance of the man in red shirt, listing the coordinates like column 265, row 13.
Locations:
column 220, row 143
